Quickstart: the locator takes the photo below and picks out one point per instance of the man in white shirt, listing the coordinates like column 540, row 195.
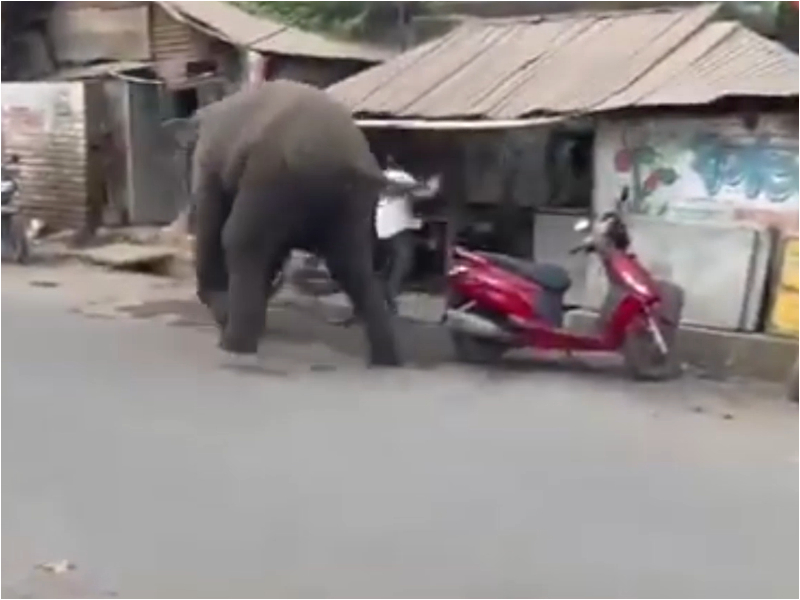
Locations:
column 394, row 229
column 395, row 225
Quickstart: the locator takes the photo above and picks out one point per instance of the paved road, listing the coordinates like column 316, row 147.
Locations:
column 129, row 450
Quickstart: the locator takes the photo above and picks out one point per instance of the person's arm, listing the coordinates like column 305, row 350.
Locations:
column 429, row 189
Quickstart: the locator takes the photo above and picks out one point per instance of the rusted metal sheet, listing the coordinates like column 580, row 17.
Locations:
column 83, row 32
column 573, row 64
column 45, row 125
column 174, row 43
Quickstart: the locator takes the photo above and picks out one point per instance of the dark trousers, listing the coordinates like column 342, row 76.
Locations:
column 397, row 261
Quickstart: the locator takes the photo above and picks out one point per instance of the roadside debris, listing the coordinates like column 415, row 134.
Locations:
column 130, row 257
column 57, row 567
column 44, row 284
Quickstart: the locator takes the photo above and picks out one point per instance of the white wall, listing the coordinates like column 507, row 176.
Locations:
column 707, row 187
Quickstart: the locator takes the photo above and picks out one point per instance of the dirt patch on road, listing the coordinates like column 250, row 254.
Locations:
column 188, row 313
column 424, row 346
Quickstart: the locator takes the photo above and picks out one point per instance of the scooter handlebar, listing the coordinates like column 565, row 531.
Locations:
column 587, row 245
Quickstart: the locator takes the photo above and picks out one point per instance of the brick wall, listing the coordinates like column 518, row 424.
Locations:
column 45, row 124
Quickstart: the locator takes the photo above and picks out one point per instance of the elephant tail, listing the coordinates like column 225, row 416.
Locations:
column 371, row 177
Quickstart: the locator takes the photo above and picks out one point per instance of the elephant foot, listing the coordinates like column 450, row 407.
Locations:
column 217, row 303
column 383, row 360
column 242, row 362
column 236, row 345
column 343, row 320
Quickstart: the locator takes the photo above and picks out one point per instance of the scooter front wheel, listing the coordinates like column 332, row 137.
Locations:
column 643, row 349
column 645, row 360
column 476, row 350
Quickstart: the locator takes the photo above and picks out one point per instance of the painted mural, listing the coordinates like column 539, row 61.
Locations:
column 704, row 169
column 649, row 171
column 762, row 169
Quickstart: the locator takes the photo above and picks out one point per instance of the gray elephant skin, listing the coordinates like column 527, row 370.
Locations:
column 277, row 167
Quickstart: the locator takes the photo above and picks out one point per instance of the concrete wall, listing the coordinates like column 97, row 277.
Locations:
column 715, row 264
column 45, row 124
column 554, row 236
column 709, row 188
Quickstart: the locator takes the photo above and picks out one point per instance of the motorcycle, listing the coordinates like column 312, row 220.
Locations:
column 14, row 235
column 496, row 303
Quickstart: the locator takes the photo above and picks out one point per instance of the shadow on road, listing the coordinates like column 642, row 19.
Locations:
column 425, row 345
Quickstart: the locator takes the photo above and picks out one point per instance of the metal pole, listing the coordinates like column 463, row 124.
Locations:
column 403, row 22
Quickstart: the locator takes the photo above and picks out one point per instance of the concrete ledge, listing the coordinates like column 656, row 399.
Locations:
column 723, row 354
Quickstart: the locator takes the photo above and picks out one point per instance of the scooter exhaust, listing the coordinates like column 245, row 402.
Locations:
column 475, row 325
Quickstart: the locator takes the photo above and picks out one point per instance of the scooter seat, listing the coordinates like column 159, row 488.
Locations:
column 551, row 277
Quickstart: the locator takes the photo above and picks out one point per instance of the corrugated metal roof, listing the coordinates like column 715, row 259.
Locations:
column 573, row 64
column 224, row 21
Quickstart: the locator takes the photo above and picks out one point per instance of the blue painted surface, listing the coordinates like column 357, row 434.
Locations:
column 762, row 168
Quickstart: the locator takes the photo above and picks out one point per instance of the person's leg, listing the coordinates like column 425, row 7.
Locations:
column 402, row 262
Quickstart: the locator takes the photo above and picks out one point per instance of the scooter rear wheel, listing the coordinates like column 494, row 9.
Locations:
column 476, row 350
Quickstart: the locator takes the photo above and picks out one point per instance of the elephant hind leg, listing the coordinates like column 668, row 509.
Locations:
column 349, row 257
column 254, row 251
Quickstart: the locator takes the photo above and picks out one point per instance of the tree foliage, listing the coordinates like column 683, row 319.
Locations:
column 347, row 19
column 775, row 19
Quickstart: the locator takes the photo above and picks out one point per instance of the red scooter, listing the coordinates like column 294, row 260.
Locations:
column 496, row 303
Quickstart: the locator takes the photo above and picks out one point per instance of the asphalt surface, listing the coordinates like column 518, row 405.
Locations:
column 131, row 449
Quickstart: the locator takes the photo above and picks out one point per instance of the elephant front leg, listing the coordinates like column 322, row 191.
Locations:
column 253, row 254
column 246, row 304
column 211, row 206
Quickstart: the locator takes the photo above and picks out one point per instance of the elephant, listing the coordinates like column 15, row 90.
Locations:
column 276, row 167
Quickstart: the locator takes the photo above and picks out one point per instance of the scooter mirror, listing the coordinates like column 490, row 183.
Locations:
column 582, row 225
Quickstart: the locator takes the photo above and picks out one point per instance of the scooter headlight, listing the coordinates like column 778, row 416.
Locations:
column 457, row 270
